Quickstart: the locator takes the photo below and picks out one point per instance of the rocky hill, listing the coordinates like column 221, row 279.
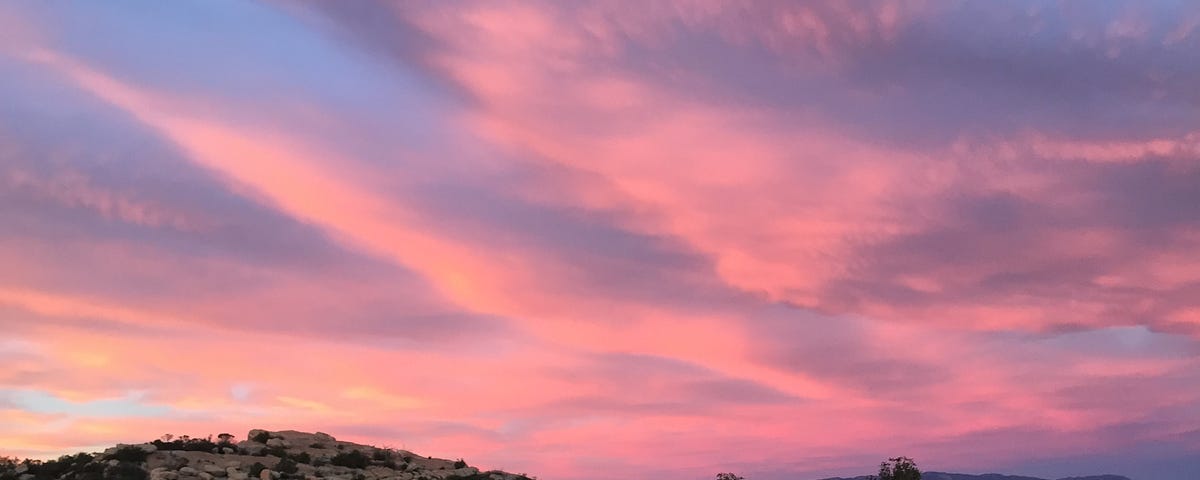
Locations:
column 264, row 455
column 987, row 476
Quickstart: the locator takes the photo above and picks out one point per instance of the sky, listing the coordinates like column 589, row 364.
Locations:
column 604, row 240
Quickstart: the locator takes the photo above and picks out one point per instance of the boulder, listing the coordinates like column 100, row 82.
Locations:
column 278, row 443
column 323, row 437
column 265, row 474
column 251, row 448
column 188, row 471
column 255, row 433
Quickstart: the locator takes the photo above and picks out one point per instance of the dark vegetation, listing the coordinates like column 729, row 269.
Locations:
column 189, row 444
column 71, row 467
column 899, row 468
column 351, row 459
column 287, row 466
column 128, row 453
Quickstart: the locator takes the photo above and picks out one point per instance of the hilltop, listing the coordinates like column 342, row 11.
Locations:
column 263, row 455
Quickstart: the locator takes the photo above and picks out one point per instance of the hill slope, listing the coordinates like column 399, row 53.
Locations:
column 264, row 455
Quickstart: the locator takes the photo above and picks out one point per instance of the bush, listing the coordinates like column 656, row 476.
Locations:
column 899, row 468
column 129, row 453
column 460, row 463
column 187, row 444
column 256, row 469
column 276, row 451
column 262, row 437
column 125, row 471
column 351, row 459
column 286, row 466
column 53, row 469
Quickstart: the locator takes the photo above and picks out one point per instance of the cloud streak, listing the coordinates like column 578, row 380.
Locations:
column 579, row 241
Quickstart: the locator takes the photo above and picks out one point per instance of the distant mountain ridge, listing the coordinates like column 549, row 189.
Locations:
column 988, row 476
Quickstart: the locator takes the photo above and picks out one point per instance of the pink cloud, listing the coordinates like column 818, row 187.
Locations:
column 583, row 243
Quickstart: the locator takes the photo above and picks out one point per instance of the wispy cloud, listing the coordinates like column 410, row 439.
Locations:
column 590, row 242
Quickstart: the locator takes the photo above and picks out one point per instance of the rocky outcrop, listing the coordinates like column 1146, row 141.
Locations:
column 264, row 455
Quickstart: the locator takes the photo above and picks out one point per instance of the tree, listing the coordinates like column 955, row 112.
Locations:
column 728, row 476
column 899, row 468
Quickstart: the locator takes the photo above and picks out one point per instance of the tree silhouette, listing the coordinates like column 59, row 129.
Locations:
column 728, row 476
column 899, row 468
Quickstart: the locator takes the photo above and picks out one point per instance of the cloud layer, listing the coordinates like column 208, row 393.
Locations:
column 592, row 242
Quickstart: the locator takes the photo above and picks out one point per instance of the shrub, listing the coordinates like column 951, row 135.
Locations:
column 286, row 466
column 256, row 469
column 317, row 445
column 129, row 453
column 125, row 471
column 276, row 451
column 54, row 469
column 261, row 437
column 460, row 463
column 186, row 443
column 899, row 468
column 351, row 459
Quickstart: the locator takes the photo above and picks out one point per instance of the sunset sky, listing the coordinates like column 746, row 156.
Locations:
column 609, row 240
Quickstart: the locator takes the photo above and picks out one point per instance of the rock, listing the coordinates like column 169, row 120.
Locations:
column 265, row 474
column 236, row 475
column 324, row 437
column 187, row 471
column 462, row 472
column 251, row 448
column 278, row 443
column 163, row 474
column 148, row 447
column 228, row 450
column 234, row 465
column 256, row 433
column 21, row 469
column 206, row 476
column 214, row 470
column 26, row 476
